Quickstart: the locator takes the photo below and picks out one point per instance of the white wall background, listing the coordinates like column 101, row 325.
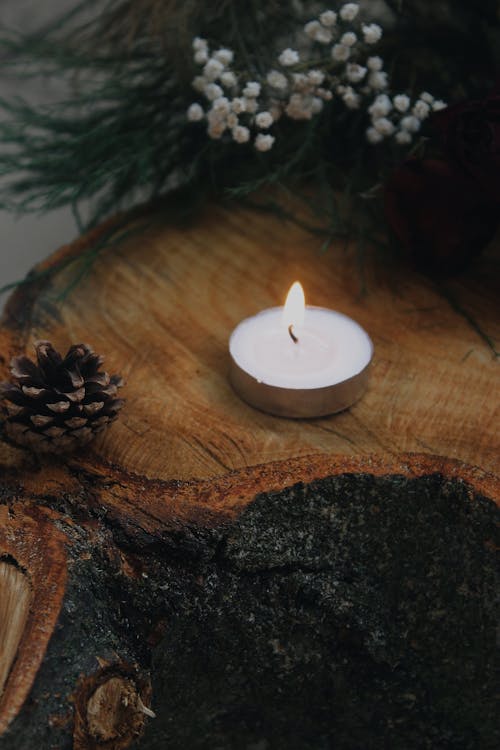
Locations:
column 27, row 239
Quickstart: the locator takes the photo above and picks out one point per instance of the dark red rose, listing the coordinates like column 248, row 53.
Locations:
column 441, row 218
column 470, row 135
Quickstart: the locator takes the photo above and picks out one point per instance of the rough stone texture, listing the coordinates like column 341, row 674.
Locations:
column 353, row 612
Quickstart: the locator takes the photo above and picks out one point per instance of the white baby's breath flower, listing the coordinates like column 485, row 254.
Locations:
column 378, row 80
column 221, row 105
column 438, row 104
column 195, row 113
column 199, row 43
column 299, row 107
column 375, row 63
column 264, row 120
column 340, row 52
column 421, row 110
column 216, row 129
column 384, row 126
column 264, row 142
column 380, row 107
column 325, row 94
column 374, row 136
column 311, row 28
column 289, row 57
column 372, row 32
column 295, row 108
column 213, row 69
column 318, row 33
column 252, row 89
column 199, row 83
column 351, row 99
column 401, row 102
column 201, row 56
column 251, row 105
column 410, row 123
column 316, row 77
column 426, row 97
column 300, row 82
column 316, row 105
column 224, row 56
column 216, row 118
column 328, row 18
column 355, row 73
column 212, row 91
column 403, row 137
column 349, row 39
column 349, row 11
column 232, row 120
column 323, row 35
column 238, row 105
column 241, row 134
column 277, row 80
column 228, row 79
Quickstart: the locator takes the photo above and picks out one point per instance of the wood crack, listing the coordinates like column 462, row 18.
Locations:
column 15, row 602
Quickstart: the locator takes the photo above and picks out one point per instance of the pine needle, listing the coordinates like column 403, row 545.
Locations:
column 121, row 134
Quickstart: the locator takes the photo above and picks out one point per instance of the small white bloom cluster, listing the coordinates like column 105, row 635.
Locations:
column 300, row 82
column 233, row 107
column 396, row 116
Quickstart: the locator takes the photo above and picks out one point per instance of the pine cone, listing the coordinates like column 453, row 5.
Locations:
column 58, row 405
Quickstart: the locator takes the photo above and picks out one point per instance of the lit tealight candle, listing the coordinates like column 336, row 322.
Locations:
column 298, row 361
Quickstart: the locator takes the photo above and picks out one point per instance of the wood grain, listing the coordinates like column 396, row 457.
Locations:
column 162, row 306
column 31, row 541
column 15, row 601
column 187, row 456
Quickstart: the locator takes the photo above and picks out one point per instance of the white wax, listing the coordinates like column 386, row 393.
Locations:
column 331, row 348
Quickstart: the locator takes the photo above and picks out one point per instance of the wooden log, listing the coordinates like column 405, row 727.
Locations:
column 134, row 537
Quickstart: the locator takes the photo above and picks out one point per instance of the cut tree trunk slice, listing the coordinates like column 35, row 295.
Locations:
column 147, row 517
column 161, row 307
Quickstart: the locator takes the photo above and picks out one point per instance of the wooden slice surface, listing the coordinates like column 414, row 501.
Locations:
column 161, row 305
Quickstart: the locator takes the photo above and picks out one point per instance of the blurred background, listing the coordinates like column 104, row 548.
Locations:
column 27, row 239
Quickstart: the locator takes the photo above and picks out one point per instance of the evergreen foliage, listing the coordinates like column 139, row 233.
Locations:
column 121, row 133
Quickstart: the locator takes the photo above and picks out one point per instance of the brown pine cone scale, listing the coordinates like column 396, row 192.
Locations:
column 59, row 403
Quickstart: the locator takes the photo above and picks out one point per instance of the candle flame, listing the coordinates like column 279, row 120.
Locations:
column 295, row 305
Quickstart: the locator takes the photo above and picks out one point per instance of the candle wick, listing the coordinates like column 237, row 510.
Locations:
column 292, row 335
